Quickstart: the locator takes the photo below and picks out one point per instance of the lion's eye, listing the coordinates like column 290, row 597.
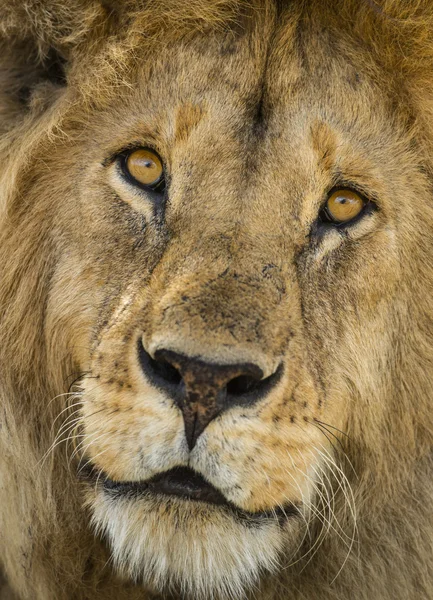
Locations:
column 343, row 206
column 145, row 168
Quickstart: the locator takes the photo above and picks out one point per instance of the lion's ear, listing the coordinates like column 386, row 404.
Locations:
column 38, row 40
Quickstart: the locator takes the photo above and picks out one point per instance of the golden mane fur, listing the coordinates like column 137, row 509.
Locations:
column 68, row 67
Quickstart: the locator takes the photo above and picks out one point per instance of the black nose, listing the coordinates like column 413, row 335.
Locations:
column 204, row 390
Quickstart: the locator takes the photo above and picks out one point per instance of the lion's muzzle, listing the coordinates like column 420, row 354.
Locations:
column 203, row 390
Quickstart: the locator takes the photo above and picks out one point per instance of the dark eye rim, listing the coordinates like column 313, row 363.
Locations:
column 326, row 218
column 157, row 187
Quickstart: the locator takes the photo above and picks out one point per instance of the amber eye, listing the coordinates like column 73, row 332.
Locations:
column 343, row 206
column 145, row 167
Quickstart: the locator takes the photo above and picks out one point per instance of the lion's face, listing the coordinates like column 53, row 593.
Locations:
column 228, row 330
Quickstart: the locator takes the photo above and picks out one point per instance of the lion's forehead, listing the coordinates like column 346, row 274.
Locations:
column 269, row 82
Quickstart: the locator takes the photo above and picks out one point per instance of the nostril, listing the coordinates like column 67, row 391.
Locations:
column 158, row 370
column 252, row 387
column 242, row 385
column 165, row 370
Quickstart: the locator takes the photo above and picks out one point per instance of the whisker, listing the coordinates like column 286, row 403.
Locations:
column 86, row 438
column 64, row 410
column 350, row 502
column 92, row 459
column 321, row 427
column 332, row 427
column 313, row 512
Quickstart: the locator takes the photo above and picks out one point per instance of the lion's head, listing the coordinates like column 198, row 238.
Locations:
column 216, row 258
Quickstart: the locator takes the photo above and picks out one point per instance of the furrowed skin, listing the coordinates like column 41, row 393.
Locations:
column 222, row 329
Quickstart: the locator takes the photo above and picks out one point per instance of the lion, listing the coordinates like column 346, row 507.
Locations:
column 216, row 331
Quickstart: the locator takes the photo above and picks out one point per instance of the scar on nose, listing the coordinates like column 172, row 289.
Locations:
column 188, row 116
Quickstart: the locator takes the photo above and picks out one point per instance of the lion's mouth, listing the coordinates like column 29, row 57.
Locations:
column 185, row 483
column 180, row 481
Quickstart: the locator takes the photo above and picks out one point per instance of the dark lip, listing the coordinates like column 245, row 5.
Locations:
column 185, row 483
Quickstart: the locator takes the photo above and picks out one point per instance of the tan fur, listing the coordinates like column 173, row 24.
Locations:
column 258, row 109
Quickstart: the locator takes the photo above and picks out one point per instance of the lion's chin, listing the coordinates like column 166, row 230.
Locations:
column 192, row 548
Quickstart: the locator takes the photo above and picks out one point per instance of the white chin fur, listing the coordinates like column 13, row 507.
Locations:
column 188, row 547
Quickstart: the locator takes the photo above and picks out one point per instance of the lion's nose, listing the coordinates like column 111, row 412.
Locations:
column 204, row 390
